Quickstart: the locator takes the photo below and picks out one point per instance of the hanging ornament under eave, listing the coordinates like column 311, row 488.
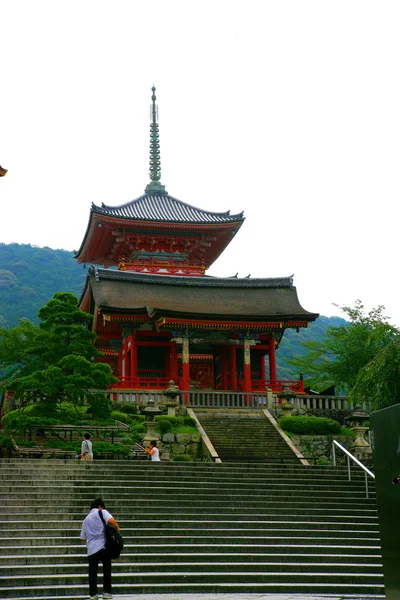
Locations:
column 2, row 171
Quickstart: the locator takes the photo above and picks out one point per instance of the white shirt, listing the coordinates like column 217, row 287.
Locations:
column 155, row 454
column 86, row 447
column 93, row 530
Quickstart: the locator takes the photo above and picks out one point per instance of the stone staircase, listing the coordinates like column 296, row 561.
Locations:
column 244, row 435
column 190, row 527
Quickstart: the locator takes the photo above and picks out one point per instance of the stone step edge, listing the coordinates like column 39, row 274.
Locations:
column 218, row 545
column 184, row 554
column 135, row 586
column 183, row 596
column 78, row 522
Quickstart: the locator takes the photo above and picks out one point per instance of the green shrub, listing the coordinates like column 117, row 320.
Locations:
column 24, row 444
column 323, row 461
column 164, row 426
column 100, row 406
column 129, row 409
column 127, row 418
column 98, row 447
column 75, row 446
column 5, row 441
column 117, row 415
column 310, row 425
column 177, row 421
column 185, row 429
column 346, row 431
column 137, row 432
column 182, row 458
column 17, row 420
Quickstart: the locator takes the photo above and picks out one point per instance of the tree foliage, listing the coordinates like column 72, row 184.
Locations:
column 54, row 362
column 337, row 358
column 379, row 380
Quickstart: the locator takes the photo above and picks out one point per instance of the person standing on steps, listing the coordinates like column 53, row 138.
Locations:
column 93, row 534
column 86, row 448
column 153, row 450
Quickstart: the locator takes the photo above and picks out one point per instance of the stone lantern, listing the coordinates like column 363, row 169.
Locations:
column 151, row 411
column 360, row 447
column 171, row 398
column 285, row 397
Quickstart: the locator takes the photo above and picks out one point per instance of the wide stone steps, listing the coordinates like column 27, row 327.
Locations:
column 228, row 528
column 237, row 437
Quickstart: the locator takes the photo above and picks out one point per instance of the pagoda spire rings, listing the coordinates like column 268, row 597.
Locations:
column 155, row 156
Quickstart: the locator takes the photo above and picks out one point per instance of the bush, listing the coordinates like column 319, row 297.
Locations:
column 24, row 444
column 310, row 425
column 42, row 414
column 100, row 406
column 127, row 418
column 137, row 432
column 164, row 426
column 5, row 441
column 129, row 409
column 182, row 458
column 17, row 420
column 177, row 421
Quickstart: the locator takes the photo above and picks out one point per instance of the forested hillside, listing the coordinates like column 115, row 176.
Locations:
column 291, row 343
column 30, row 276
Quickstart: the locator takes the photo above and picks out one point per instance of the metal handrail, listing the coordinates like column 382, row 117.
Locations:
column 349, row 455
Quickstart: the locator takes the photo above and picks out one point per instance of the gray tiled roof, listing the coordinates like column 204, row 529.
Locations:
column 185, row 281
column 204, row 297
column 163, row 207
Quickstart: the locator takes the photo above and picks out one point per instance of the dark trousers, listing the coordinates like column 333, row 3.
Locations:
column 102, row 556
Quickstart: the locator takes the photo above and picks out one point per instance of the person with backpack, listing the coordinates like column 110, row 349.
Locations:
column 93, row 533
column 86, row 448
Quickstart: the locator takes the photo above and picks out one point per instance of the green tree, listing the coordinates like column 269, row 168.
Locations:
column 339, row 356
column 54, row 361
column 379, row 380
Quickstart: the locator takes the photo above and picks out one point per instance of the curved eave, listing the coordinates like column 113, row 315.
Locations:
column 99, row 240
column 164, row 208
column 207, row 281
column 281, row 319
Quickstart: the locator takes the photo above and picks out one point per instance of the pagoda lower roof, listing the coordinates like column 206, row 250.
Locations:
column 212, row 298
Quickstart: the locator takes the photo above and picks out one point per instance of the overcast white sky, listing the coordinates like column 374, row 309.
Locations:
column 288, row 110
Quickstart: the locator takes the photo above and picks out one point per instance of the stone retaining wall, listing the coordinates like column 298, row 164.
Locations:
column 187, row 445
column 320, row 446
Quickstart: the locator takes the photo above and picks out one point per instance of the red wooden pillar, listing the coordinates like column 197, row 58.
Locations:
column 167, row 363
column 272, row 361
column 123, row 357
column 247, row 367
column 134, row 355
column 232, row 367
column 174, row 362
column 224, row 370
column 262, row 370
column 185, row 367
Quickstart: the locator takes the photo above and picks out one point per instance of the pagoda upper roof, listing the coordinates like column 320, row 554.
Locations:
column 155, row 211
column 230, row 298
column 162, row 207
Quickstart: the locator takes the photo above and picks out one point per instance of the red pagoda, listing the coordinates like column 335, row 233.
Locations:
column 156, row 313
